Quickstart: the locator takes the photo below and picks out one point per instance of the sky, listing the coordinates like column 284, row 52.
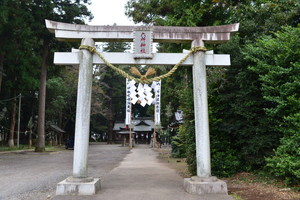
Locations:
column 108, row 12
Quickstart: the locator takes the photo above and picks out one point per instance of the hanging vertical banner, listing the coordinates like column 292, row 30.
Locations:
column 128, row 98
column 157, row 88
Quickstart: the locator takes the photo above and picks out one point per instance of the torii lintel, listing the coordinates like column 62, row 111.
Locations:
column 208, row 34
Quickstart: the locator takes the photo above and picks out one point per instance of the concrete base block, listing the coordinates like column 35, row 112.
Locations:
column 200, row 186
column 66, row 187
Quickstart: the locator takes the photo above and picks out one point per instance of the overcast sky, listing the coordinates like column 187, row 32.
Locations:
column 108, row 12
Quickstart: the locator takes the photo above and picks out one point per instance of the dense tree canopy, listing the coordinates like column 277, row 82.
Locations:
column 251, row 102
column 276, row 61
column 26, row 48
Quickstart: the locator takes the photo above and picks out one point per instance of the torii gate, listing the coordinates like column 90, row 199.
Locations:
column 80, row 183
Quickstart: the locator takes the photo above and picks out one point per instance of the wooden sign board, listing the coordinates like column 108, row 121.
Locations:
column 143, row 39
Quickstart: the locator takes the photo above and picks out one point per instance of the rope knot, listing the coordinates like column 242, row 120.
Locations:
column 195, row 49
column 89, row 48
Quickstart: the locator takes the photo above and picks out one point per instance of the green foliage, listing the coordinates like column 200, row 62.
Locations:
column 263, row 17
column 179, row 145
column 225, row 161
column 179, row 13
column 183, row 143
column 285, row 164
column 245, row 105
column 19, row 61
column 276, row 61
column 108, row 94
column 6, row 148
column 114, row 84
column 191, row 148
column 23, row 37
column 180, row 142
column 242, row 106
column 57, row 95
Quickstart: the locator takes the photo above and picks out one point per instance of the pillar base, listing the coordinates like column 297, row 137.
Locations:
column 67, row 187
column 208, row 185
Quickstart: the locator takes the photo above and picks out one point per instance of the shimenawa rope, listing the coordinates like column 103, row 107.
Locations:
column 142, row 79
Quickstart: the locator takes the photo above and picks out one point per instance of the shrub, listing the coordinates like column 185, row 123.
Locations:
column 179, row 141
column 285, row 164
column 224, row 163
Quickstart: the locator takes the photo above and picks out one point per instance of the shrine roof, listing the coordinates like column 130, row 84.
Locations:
column 142, row 123
column 138, row 124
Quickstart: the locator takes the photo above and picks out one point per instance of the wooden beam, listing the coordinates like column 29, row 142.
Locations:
column 209, row 34
column 209, row 38
column 61, row 58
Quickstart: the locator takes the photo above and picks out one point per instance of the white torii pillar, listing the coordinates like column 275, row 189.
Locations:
column 203, row 183
column 83, row 112
column 80, row 183
column 201, row 112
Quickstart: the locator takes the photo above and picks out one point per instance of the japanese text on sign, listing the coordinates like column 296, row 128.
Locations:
column 143, row 43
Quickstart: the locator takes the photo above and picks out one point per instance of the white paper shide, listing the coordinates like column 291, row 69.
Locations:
column 143, row 94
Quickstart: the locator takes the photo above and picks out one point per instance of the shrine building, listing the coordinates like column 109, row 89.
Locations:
column 142, row 127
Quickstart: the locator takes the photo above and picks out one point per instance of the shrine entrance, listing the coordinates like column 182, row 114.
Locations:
column 142, row 36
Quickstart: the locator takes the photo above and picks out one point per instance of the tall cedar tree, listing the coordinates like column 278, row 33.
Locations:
column 17, row 61
column 26, row 45
column 64, row 11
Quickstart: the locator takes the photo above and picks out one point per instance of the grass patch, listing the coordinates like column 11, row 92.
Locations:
column 25, row 147
column 15, row 148
column 236, row 197
column 55, row 148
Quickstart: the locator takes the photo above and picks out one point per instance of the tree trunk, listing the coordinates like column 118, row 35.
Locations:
column 60, row 116
column 55, row 140
column 1, row 69
column 50, row 142
column 40, row 145
column 186, row 81
column 110, row 121
column 12, row 125
column 30, row 139
column 110, row 131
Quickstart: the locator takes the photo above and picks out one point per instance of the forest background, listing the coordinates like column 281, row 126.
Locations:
column 253, row 104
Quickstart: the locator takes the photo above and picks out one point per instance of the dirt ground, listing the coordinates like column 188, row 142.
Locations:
column 243, row 186
column 249, row 187
column 33, row 176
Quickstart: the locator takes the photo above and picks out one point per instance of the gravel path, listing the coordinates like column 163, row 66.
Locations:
column 142, row 176
column 33, row 176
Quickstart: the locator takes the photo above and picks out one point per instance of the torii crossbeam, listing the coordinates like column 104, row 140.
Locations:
column 201, row 184
column 174, row 34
